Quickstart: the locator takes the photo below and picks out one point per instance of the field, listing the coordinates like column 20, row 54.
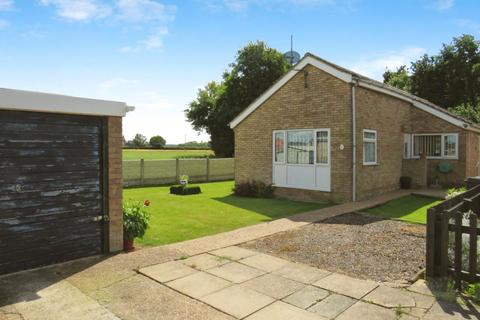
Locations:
column 177, row 218
column 148, row 154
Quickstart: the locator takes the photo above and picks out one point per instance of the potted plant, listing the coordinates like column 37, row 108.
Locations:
column 135, row 222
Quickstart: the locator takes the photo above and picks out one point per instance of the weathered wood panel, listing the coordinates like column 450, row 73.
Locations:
column 50, row 188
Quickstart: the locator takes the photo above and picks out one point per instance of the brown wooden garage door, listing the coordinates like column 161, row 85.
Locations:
column 50, row 188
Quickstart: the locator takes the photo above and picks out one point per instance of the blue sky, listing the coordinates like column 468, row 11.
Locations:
column 156, row 54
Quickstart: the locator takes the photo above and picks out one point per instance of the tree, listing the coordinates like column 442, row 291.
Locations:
column 157, row 142
column 255, row 69
column 399, row 78
column 449, row 79
column 124, row 141
column 140, row 140
column 467, row 111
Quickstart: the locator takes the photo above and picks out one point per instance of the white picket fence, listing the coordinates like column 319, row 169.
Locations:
column 156, row 172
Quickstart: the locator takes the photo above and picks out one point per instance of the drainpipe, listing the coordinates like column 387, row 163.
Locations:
column 354, row 141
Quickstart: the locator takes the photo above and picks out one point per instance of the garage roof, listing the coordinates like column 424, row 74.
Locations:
column 353, row 77
column 54, row 103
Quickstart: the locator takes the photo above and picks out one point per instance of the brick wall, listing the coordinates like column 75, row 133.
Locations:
column 326, row 103
column 386, row 115
column 115, row 183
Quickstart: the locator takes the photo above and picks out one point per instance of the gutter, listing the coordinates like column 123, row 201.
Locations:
column 354, row 140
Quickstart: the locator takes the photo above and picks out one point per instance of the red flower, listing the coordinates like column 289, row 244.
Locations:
column 146, row 203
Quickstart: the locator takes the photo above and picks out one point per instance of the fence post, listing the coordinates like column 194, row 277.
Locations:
column 432, row 238
column 208, row 169
column 142, row 171
column 177, row 170
column 458, row 249
column 473, row 247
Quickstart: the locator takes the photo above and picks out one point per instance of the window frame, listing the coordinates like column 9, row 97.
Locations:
column 314, row 131
column 442, row 145
column 370, row 140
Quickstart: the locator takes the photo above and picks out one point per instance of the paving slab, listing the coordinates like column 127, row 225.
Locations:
column 237, row 301
column 452, row 311
column 352, row 287
column 198, row 284
column 301, row 273
column 236, row 272
column 283, row 311
column 306, row 297
column 62, row 301
column 332, row 306
column 168, row 271
column 141, row 298
column 421, row 286
column 265, row 262
column 234, row 253
column 274, row 286
column 390, row 297
column 367, row 311
column 204, row 261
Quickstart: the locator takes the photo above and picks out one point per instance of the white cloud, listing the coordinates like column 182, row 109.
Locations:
column 375, row 65
column 443, row 4
column 144, row 11
column 6, row 5
column 79, row 10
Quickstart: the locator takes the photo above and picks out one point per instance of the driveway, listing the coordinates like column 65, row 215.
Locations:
column 227, row 283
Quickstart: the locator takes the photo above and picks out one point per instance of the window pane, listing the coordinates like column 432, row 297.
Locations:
column 369, row 152
column 279, row 147
column 369, row 135
column 450, row 142
column 322, row 147
column 431, row 145
column 300, row 147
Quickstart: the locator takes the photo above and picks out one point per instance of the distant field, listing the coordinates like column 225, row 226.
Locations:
column 135, row 154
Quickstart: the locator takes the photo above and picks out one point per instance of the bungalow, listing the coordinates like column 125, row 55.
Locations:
column 323, row 132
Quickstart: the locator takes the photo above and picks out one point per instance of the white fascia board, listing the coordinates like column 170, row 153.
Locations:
column 417, row 104
column 280, row 83
column 20, row 100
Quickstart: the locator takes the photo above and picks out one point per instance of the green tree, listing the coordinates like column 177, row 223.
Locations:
column 467, row 111
column 255, row 69
column 399, row 78
column 140, row 140
column 449, row 79
column 157, row 142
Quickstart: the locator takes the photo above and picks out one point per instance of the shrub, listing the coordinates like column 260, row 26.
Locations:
column 253, row 189
column 184, row 190
column 473, row 290
column 135, row 219
column 453, row 192
column 405, row 182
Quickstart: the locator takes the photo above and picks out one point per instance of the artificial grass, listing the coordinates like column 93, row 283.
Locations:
column 412, row 208
column 149, row 154
column 176, row 218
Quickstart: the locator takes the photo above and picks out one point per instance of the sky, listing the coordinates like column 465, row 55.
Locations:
column 156, row 54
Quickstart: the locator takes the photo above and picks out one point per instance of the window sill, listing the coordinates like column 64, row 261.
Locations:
column 370, row 164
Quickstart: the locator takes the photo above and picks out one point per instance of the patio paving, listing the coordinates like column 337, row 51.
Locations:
column 254, row 286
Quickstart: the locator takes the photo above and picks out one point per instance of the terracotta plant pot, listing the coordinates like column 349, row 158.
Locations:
column 128, row 245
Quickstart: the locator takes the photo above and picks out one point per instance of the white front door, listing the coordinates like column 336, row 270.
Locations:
column 301, row 159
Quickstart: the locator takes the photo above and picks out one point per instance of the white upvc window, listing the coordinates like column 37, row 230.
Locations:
column 435, row 145
column 302, row 147
column 369, row 147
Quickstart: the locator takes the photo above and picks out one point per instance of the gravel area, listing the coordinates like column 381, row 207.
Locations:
column 355, row 244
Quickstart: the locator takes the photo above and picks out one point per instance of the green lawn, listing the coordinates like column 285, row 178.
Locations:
column 135, row 154
column 411, row 208
column 176, row 218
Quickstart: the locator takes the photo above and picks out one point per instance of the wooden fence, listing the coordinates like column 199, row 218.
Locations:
column 452, row 236
column 157, row 172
